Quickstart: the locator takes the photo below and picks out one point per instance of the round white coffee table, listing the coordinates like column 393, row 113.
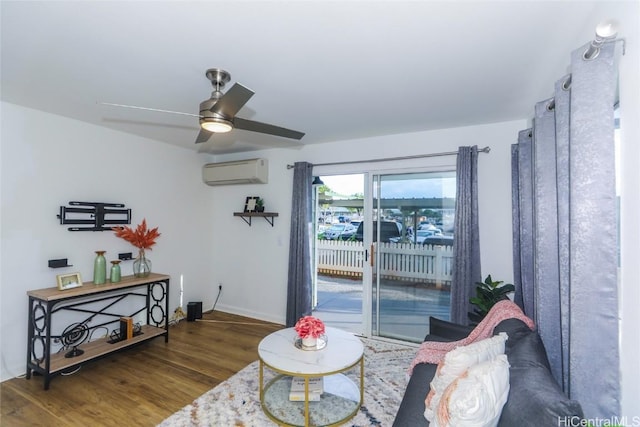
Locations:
column 341, row 398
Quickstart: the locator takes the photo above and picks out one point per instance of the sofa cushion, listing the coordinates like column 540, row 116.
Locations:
column 457, row 362
column 461, row 358
column 535, row 398
column 475, row 398
column 515, row 329
column 447, row 331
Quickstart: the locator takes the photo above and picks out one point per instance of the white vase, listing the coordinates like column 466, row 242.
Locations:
column 309, row 342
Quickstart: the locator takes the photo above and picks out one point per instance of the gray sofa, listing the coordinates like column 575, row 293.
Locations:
column 535, row 399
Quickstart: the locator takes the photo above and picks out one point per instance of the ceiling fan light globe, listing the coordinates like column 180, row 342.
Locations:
column 216, row 125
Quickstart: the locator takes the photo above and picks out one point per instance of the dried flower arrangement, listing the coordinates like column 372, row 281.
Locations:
column 141, row 238
column 309, row 326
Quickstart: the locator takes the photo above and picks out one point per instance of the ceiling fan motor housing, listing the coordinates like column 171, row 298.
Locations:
column 207, row 105
column 219, row 78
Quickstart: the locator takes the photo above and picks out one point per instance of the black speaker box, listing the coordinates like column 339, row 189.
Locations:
column 194, row 311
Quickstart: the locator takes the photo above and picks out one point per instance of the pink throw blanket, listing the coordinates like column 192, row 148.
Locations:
column 434, row 352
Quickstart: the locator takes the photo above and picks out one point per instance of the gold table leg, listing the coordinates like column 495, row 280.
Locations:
column 306, row 401
column 261, row 376
column 362, row 380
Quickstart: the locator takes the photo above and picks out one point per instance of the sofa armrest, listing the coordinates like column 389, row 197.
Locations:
column 411, row 410
column 447, row 330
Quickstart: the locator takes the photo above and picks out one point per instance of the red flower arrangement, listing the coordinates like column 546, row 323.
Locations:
column 309, row 326
column 141, row 238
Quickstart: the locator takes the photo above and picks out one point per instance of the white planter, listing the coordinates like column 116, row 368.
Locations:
column 309, row 342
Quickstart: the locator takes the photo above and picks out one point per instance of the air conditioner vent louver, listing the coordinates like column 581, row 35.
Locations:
column 252, row 171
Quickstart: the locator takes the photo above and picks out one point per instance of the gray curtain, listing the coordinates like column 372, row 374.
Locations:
column 466, row 240
column 523, row 222
column 299, row 281
column 565, row 233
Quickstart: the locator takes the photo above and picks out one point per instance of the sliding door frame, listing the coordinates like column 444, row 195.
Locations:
column 441, row 163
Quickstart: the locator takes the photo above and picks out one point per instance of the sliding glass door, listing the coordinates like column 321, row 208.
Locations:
column 339, row 255
column 384, row 252
column 410, row 252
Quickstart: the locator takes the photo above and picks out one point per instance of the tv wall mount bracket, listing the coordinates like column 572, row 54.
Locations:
column 97, row 216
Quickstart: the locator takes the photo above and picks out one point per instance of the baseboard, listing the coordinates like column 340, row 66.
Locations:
column 267, row 317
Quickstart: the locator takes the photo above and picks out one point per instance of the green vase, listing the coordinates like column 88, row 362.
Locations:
column 115, row 271
column 100, row 269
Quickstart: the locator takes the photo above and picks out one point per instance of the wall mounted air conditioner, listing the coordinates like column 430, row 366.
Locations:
column 252, row 171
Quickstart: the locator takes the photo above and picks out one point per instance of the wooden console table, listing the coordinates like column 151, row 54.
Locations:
column 92, row 307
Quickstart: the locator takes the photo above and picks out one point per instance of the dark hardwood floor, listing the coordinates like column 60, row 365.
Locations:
column 140, row 386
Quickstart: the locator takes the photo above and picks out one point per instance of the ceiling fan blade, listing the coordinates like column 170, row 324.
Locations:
column 149, row 109
column 232, row 101
column 253, row 126
column 203, row 136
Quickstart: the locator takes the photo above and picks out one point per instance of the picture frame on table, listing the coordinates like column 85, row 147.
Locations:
column 250, row 204
column 69, row 281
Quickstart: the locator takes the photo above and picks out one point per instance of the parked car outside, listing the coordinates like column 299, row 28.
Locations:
column 388, row 230
column 438, row 240
column 336, row 230
column 421, row 235
column 320, row 230
column 351, row 234
column 428, row 226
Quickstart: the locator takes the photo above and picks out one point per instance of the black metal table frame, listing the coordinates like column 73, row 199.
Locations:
column 41, row 312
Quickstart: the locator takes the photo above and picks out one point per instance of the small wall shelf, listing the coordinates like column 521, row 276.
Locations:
column 59, row 263
column 246, row 216
column 125, row 256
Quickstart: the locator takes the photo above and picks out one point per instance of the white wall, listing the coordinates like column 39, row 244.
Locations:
column 47, row 161
column 628, row 14
column 252, row 263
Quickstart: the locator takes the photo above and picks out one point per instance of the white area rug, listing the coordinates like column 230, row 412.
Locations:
column 236, row 402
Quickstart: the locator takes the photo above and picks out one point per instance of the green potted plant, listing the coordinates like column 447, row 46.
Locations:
column 260, row 205
column 488, row 293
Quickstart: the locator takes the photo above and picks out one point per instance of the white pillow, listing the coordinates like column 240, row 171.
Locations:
column 476, row 398
column 456, row 362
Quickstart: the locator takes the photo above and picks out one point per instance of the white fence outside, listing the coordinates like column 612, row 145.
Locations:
column 398, row 261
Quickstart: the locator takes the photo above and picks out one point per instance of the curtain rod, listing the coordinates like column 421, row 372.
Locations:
column 417, row 156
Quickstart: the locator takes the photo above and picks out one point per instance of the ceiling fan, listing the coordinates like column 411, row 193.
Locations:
column 218, row 113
